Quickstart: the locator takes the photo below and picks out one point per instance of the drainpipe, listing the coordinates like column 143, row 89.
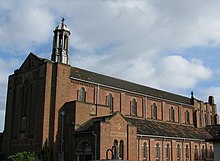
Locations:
column 93, row 133
column 200, row 150
column 163, row 149
column 62, row 136
column 138, row 148
column 183, row 150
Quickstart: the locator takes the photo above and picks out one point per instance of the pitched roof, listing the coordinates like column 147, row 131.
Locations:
column 88, row 125
column 126, row 85
column 31, row 61
column 214, row 130
column 156, row 128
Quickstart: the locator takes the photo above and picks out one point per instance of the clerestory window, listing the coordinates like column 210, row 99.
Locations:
column 154, row 111
column 82, row 95
column 110, row 101
column 134, row 107
column 171, row 114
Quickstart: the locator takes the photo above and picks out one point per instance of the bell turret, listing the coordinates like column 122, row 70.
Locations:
column 60, row 51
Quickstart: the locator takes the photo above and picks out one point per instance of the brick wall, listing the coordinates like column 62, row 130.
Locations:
column 48, row 88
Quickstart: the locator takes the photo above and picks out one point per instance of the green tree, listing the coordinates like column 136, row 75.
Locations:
column 22, row 156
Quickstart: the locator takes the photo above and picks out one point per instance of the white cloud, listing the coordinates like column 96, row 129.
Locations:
column 7, row 67
column 175, row 72
column 142, row 25
column 25, row 24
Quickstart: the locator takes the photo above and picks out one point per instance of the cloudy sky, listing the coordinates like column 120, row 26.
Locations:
column 170, row 45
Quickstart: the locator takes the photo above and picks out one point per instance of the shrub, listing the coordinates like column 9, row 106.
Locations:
column 23, row 156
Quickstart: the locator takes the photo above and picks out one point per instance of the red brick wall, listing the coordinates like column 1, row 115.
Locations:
column 132, row 143
column 26, row 98
column 151, row 143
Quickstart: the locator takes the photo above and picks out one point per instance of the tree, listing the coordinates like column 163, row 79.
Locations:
column 22, row 156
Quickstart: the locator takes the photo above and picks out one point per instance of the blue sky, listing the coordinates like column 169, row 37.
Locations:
column 170, row 45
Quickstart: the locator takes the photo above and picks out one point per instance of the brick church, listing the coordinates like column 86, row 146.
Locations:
column 85, row 116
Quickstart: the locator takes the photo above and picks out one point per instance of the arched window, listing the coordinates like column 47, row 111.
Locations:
column 110, row 101
column 157, row 152
column 187, row 152
column 82, row 95
column 215, row 119
column 65, row 42
column 171, row 114
column 178, row 152
column 60, row 41
column 196, row 153
column 168, row 152
column 84, row 150
column 209, row 118
column 154, row 111
column 133, row 107
column 205, row 119
column 211, row 152
column 121, row 150
column 115, row 150
column 145, row 152
column 203, row 151
column 187, row 117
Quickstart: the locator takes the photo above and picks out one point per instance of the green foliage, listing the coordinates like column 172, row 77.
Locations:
column 45, row 155
column 22, row 156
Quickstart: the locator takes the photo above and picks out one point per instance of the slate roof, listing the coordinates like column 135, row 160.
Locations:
column 88, row 125
column 156, row 128
column 125, row 85
column 214, row 130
